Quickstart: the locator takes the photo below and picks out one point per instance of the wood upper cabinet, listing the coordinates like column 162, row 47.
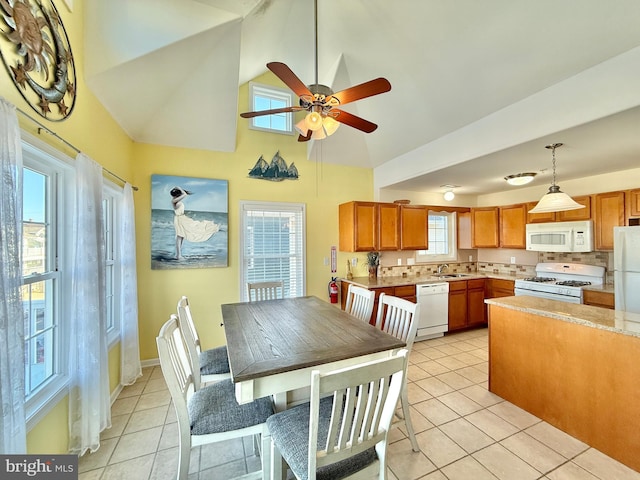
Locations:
column 539, row 217
column 485, row 227
column 388, row 226
column 464, row 230
column 513, row 220
column 358, row 226
column 579, row 214
column 633, row 206
column 609, row 213
column 414, row 227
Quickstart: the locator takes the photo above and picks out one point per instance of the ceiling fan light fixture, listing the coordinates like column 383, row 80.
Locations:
column 330, row 125
column 555, row 200
column 518, row 179
column 313, row 120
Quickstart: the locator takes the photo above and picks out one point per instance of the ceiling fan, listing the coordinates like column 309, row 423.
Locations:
column 321, row 102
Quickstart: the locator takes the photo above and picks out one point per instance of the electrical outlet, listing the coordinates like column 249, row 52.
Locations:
column 354, row 262
column 399, row 261
column 513, row 260
column 471, row 258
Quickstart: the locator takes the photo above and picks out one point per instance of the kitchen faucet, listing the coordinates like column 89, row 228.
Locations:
column 442, row 267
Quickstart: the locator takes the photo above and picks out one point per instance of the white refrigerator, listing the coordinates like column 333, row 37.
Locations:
column 626, row 266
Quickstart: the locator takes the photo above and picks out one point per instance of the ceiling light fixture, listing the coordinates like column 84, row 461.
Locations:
column 449, row 195
column 555, row 200
column 518, row 179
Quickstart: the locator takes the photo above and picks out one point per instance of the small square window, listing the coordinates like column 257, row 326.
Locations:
column 265, row 97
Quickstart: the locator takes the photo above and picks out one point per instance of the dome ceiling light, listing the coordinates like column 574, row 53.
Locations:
column 518, row 179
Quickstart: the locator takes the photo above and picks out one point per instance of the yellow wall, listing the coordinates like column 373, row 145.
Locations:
column 321, row 187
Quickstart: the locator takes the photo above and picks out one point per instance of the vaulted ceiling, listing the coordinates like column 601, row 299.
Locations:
column 478, row 88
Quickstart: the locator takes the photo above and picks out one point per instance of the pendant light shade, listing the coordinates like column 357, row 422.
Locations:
column 555, row 200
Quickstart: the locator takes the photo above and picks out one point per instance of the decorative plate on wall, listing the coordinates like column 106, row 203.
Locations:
column 36, row 52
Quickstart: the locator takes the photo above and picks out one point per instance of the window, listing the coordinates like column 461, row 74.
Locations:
column 112, row 197
column 442, row 238
column 45, row 278
column 272, row 245
column 265, row 97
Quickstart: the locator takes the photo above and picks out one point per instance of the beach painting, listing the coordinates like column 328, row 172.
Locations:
column 189, row 222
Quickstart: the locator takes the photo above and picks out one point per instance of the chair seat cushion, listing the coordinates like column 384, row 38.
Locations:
column 290, row 433
column 214, row 361
column 214, row 409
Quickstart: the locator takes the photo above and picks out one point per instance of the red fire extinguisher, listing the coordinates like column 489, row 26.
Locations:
column 333, row 290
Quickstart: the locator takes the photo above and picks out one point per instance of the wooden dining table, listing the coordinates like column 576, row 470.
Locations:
column 274, row 345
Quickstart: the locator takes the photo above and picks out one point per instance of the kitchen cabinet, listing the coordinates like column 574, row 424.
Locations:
column 388, row 226
column 513, row 220
column 598, row 299
column 358, row 226
column 609, row 213
column 414, row 227
column 498, row 287
column 466, row 303
column 539, row 217
column 579, row 214
column 485, row 227
column 464, row 230
column 408, row 292
column 633, row 206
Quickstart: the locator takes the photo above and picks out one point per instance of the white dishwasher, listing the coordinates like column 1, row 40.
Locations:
column 434, row 310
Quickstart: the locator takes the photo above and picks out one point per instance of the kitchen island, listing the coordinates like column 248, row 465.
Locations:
column 575, row 366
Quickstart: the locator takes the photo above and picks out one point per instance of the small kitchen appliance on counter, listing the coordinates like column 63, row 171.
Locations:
column 560, row 281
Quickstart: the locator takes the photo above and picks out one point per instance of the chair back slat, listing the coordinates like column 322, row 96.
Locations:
column 258, row 291
column 364, row 400
column 360, row 302
column 191, row 338
column 175, row 362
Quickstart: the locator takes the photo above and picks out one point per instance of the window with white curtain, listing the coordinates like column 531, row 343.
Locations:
column 442, row 238
column 48, row 177
column 47, row 206
column 272, row 245
column 266, row 97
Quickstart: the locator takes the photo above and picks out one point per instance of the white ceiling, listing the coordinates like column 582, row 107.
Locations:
column 478, row 88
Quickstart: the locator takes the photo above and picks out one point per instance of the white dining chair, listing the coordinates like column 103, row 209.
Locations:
column 257, row 291
column 342, row 432
column 360, row 302
column 399, row 317
column 213, row 364
column 210, row 414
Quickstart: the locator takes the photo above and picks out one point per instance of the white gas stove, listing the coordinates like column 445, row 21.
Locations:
column 560, row 281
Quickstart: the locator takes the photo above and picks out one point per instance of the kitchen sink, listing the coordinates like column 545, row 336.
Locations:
column 453, row 275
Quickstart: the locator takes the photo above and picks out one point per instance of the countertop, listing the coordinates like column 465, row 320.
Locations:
column 397, row 281
column 626, row 323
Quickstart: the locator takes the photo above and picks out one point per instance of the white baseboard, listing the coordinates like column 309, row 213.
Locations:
column 150, row 363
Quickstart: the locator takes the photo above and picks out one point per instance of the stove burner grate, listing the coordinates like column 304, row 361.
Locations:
column 540, row 279
column 573, row 283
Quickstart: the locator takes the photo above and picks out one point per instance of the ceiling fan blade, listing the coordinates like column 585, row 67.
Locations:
column 353, row 120
column 270, row 112
column 302, row 138
column 364, row 90
column 290, row 79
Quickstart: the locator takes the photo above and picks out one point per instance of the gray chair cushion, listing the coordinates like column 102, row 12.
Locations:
column 214, row 361
column 290, row 432
column 214, row 409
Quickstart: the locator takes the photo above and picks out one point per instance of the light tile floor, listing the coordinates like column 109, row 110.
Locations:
column 464, row 431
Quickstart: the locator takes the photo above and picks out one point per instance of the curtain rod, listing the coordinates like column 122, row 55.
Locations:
column 77, row 150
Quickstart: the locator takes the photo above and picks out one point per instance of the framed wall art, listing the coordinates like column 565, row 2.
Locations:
column 189, row 222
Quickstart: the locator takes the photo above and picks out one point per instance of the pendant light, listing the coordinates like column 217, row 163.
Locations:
column 555, row 200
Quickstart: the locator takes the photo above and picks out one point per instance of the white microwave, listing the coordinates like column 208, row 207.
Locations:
column 560, row 236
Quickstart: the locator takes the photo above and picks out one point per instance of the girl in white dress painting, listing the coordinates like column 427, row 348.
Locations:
column 187, row 228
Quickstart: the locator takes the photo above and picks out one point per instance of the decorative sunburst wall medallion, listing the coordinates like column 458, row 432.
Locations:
column 35, row 50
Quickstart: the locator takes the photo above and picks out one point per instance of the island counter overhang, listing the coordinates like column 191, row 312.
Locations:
column 574, row 366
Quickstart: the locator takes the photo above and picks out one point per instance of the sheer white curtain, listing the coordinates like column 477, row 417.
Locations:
column 12, row 420
column 89, row 403
column 130, row 367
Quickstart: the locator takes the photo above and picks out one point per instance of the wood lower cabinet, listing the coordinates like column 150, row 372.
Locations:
column 466, row 304
column 579, row 214
column 513, row 221
column 609, row 213
column 598, row 299
column 485, row 227
column 498, row 287
column 408, row 292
